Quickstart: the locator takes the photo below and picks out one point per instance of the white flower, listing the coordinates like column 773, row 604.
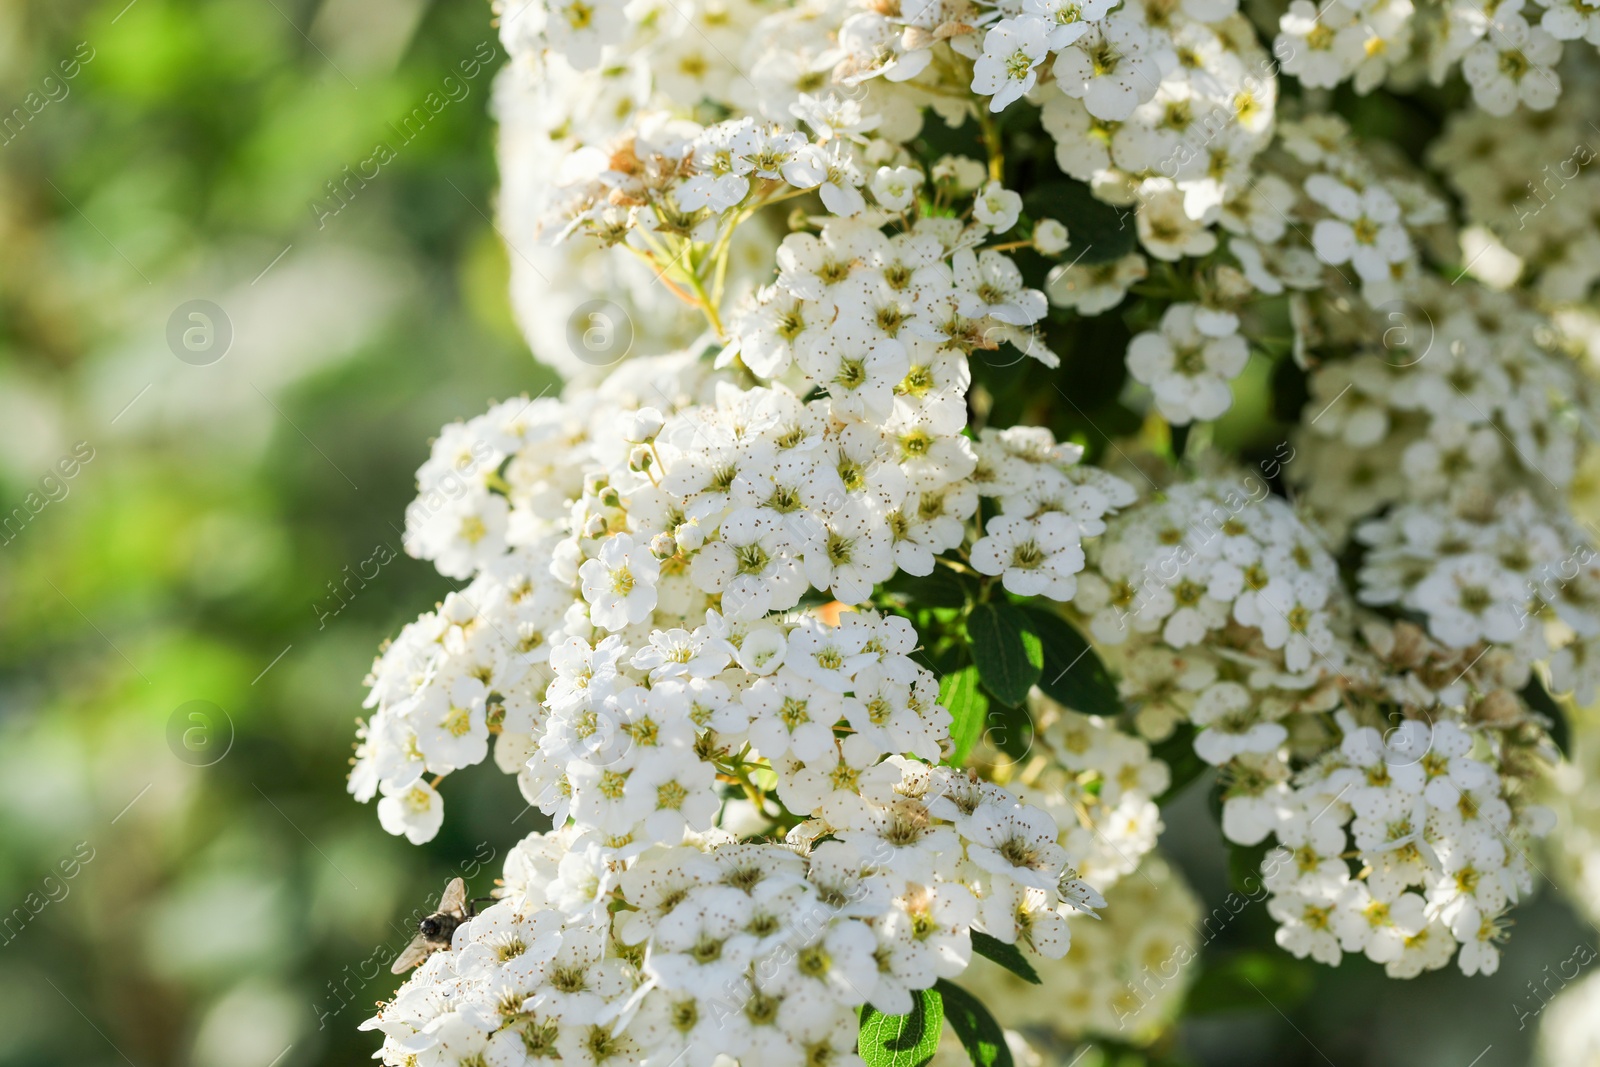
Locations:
column 1365, row 230
column 895, row 188
column 1093, row 288
column 1306, row 926
column 789, row 714
column 1012, row 50
column 1033, row 556
column 830, row 657
column 831, row 170
column 997, row 207
column 417, row 811
column 677, row 653
column 620, row 584
column 1229, row 713
column 450, row 724
column 989, row 283
column 1471, row 598
column 1188, row 368
column 1018, row 842
column 1115, row 67
column 1309, row 42
column 1068, row 19
column 849, row 553
column 643, row 425
column 581, row 28
column 1514, row 63
column 1571, row 20
column 1166, row 228
column 1049, row 237
column 960, row 173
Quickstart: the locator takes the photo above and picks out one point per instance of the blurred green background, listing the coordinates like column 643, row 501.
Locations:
column 195, row 550
column 236, row 908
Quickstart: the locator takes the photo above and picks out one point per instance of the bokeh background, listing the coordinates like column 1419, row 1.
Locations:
column 185, row 620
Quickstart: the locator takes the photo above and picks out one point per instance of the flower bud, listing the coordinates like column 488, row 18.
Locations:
column 642, row 426
column 663, row 546
column 1049, row 237
column 689, row 535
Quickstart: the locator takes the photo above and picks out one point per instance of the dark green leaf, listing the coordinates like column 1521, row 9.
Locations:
column 1244, row 981
column 1180, row 440
column 1540, row 700
column 1177, row 752
column 980, row 1035
column 1244, row 867
column 902, row 1040
column 1010, row 730
column 1008, row 956
column 1100, row 233
column 1072, row 673
column 944, row 588
column 969, row 710
column 1007, row 651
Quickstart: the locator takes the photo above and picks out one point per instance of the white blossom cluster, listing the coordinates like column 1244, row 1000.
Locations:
column 632, row 636
column 1539, row 213
column 1445, row 448
column 1506, row 53
column 1100, row 784
column 1207, row 555
column 1123, row 979
column 846, row 436
column 1311, row 217
column 659, row 553
column 1467, row 388
column 1442, row 849
column 1409, row 752
column 719, row 946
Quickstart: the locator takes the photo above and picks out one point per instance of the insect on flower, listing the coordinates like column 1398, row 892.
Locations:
column 435, row 931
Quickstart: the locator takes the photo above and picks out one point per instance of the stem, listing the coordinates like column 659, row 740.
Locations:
column 706, row 304
column 992, row 142
column 661, row 275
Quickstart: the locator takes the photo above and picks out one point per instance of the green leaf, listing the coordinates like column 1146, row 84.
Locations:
column 968, row 707
column 980, row 1035
column 1244, row 981
column 1008, row 956
column 1072, row 674
column 1539, row 699
column 908, row 1040
column 1007, row 651
column 1100, row 233
column 1244, row 866
column 1010, row 730
column 1177, row 752
column 944, row 588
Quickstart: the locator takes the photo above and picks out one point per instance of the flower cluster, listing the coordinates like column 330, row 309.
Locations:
column 1101, row 785
column 888, row 561
column 1440, row 844
column 717, row 946
column 1507, row 53
column 1208, row 555
column 632, row 638
column 1236, row 627
column 1539, row 216
column 1123, row 979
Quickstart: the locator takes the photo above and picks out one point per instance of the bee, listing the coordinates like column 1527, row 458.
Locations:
column 435, row 931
